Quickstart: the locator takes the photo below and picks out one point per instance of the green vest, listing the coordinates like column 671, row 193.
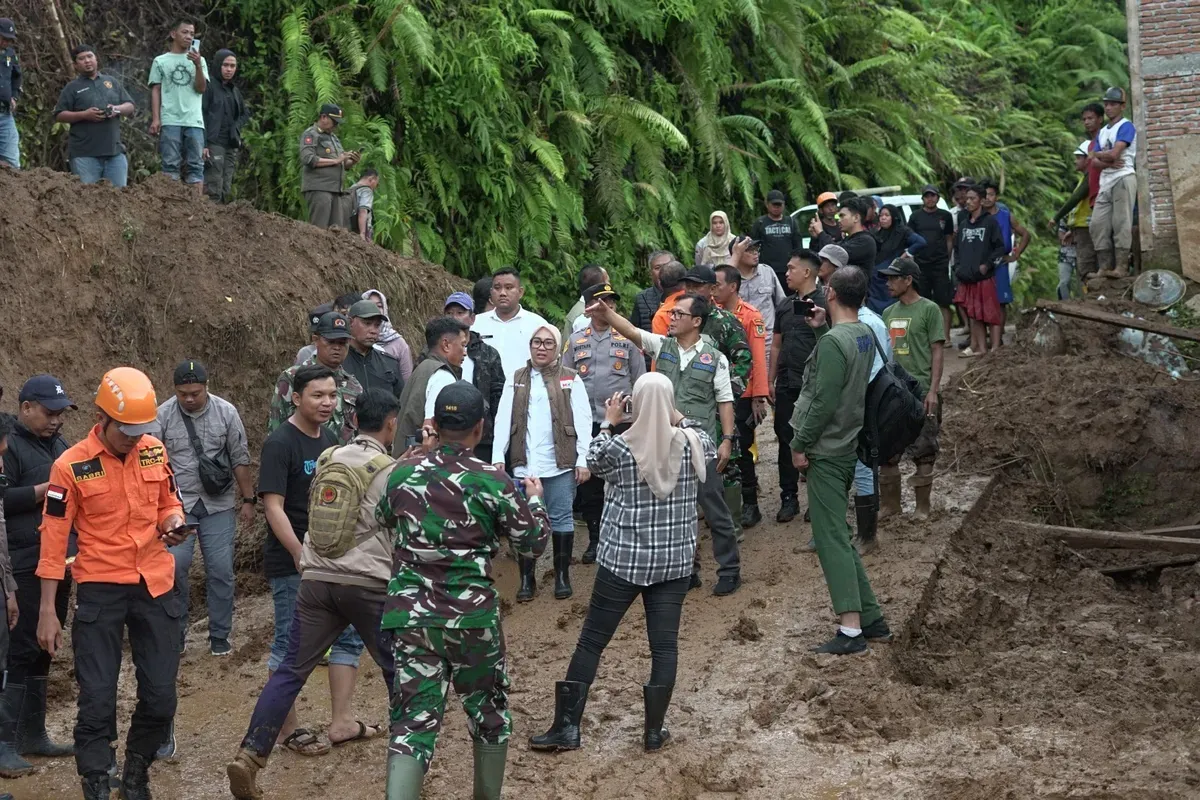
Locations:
column 412, row 399
column 695, row 389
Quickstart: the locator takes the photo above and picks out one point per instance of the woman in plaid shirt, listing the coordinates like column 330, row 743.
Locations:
column 647, row 541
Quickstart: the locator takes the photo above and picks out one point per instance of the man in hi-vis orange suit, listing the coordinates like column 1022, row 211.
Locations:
column 117, row 490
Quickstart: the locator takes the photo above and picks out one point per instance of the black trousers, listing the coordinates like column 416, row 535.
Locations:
column 589, row 497
column 743, row 417
column 26, row 658
column 102, row 613
column 785, row 404
column 611, row 598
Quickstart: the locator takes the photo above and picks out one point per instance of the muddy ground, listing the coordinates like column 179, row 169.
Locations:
column 1017, row 672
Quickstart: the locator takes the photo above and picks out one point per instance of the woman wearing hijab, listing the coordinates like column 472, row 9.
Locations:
column 544, row 425
column 647, row 541
column 390, row 340
column 893, row 239
column 713, row 249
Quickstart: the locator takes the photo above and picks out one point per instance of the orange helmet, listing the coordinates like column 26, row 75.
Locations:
column 825, row 197
column 127, row 396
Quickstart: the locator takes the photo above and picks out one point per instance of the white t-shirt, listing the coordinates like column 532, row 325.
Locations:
column 1120, row 131
column 511, row 339
column 437, row 381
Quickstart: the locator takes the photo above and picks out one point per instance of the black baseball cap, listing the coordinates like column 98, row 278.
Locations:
column 365, row 309
column 458, row 407
column 7, row 29
column 333, row 111
column 964, row 182
column 190, row 371
column 700, row 274
column 775, row 196
column 45, row 390
column 594, row 293
column 929, row 188
column 314, row 316
column 901, row 267
column 1115, row 94
column 333, row 326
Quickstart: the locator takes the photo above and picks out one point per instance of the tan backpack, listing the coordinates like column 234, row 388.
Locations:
column 334, row 500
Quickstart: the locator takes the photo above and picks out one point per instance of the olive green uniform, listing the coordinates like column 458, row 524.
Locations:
column 322, row 186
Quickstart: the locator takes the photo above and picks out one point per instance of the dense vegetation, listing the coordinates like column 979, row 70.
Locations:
column 550, row 133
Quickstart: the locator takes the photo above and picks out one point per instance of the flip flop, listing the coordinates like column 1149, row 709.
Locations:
column 364, row 732
column 304, row 743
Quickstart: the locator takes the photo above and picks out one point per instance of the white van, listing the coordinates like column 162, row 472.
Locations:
column 907, row 203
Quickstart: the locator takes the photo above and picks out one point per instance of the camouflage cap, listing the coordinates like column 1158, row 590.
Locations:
column 459, row 407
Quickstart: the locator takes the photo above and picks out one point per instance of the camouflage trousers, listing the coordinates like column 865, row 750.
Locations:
column 428, row 662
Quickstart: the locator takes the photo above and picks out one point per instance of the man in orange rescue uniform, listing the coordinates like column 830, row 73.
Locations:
column 117, row 490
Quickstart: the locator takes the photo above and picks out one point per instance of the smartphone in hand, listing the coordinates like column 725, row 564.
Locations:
column 804, row 307
column 195, row 45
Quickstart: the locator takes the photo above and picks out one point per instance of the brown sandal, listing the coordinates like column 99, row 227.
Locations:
column 365, row 731
column 303, row 742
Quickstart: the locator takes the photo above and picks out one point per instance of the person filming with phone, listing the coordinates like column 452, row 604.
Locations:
column 117, row 490
column 178, row 79
column 93, row 105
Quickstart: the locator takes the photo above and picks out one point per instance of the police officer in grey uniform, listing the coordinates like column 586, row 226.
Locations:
column 323, row 165
column 607, row 363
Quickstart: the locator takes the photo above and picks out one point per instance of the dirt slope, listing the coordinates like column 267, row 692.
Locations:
column 95, row 277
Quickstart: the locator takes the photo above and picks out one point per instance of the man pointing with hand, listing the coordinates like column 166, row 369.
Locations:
column 118, row 491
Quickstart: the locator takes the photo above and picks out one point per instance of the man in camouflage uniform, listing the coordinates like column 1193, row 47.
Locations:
column 333, row 337
column 445, row 511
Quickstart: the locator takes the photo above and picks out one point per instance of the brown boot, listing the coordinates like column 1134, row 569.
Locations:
column 1120, row 263
column 922, row 483
column 1104, row 264
column 243, row 774
column 889, row 491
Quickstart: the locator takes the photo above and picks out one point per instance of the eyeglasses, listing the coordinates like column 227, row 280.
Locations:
column 542, row 344
column 676, row 314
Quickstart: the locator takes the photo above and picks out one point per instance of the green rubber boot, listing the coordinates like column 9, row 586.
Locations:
column 490, row 760
column 405, row 776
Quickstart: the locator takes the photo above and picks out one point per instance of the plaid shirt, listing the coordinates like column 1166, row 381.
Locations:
column 643, row 539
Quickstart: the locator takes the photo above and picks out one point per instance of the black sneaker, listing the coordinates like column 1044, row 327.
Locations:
column 751, row 516
column 219, row 647
column 696, row 583
column 727, row 586
column 166, row 751
column 877, row 631
column 789, row 507
column 843, row 645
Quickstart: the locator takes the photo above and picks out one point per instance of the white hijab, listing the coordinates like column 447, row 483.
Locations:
column 656, row 444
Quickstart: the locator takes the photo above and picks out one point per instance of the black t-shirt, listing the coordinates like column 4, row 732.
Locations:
column 779, row 237
column 861, row 248
column 289, row 459
column 93, row 139
column 798, row 340
column 934, row 226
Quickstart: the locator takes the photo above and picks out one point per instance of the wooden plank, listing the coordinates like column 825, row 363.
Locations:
column 1107, row 540
column 1183, row 532
column 1181, row 561
column 1094, row 315
column 1183, row 164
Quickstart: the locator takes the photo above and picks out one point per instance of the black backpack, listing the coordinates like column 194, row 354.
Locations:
column 894, row 413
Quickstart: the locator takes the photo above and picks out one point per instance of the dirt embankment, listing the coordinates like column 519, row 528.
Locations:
column 95, row 277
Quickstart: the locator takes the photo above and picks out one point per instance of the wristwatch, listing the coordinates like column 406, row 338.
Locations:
column 606, row 425
column 253, row 501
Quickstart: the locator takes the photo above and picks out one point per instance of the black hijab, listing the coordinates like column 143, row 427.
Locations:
column 891, row 241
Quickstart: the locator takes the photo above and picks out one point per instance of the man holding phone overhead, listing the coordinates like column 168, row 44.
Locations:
column 178, row 79
column 117, row 489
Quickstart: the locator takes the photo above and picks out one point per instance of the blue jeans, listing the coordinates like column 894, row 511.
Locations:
column 346, row 650
column 114, row 169
column 864, row 480
column 181, row 146
column 559, row 495
column 10, row 141
column 216, row 545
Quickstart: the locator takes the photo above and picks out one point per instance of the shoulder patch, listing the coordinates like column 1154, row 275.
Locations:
column 759, row 328
column 151, row 456
column 88, row 470
column 706, row 358
column 56, row 501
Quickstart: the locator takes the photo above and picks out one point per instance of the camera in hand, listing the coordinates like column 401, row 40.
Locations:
column 804, row 307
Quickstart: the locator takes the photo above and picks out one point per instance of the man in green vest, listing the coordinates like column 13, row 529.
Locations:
column 703, row 392
column 825, row 425
column 446, row 343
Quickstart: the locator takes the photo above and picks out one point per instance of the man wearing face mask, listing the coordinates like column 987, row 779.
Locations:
column 225, row 114
column 332, row 335
column 33, row 446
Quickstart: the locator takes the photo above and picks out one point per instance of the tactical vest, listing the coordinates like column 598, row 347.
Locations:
column 412, row 398
column 695, row 387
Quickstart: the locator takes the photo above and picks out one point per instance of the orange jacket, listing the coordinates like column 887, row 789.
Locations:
column 116, row 507
column 756, row 334
column 661, row 324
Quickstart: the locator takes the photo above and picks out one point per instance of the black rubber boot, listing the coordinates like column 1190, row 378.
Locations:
column 96, row 786
column 589, row 555
column 135, row 778
column 528, row 580
column 789, row 507
column 656, row 698
column 570, row 697
column 11, row 764
column 866, row 510
column 564, row 543
column 751, row 516
column 32, row 738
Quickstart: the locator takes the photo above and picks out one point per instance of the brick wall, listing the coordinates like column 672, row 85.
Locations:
column 1170, row 61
